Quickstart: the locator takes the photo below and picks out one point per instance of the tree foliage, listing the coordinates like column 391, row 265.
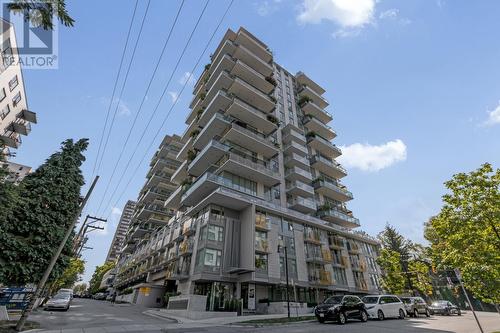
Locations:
column 80, row 288
column 393, row 281
column 99, row 272
column 70, row 275
column 33, row 225
column 465, row 234
column 40, row 12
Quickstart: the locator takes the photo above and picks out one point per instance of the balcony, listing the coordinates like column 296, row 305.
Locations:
column 339, row 217
column 261, row 245
column 160, row 218
column 22, row 127
column 353, row 248
column 336, row 242
column 188, row 145
column 359, row 266
column 328, row 167
column 340, row 261
column 296, row 173
column 216, row 127
column 295, row 160
column 224, row 64
column 250, row 115
column 295, row 148
column 322, row 145
column 186, row 248
column 11, row 139
column 212, row 153
column 188, row 228
column 305, row 80
column 28, row 116
column 252, row 95
column 312, row 124
column 314, row 256
column 203, row 186
column 262, row 223
column 174, row 200
column 139, row 231
column 249, row 167
column 299, row 188
column 304, row 205
column 312, row 237
column 162, row 165
column 293, row 135
column 251, row 140
column 316, row 98
column 180, row 174
column 311, row 109
column 151, row 209
column 332, row 189
column 160, row 179
column 326, row 254
column 250, row 75
column 255, row 46
column 321, row 277
column 154, row 193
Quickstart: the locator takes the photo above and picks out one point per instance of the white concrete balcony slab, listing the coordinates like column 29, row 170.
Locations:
column 328, row 167
column 311, row 109
column 302, row 78
column 217, row 125
column 292, row 135
column 174, row 200
column 11, row 139
column 312, row 124
column 252, row 95
column 221, row 101
column 332, row 190
column 251, row 140
column 339, row 217
column 323, row 146
column 255, row 46
column 250, row 168
column 296, row 173
column 212, row 153
column 295, row 148
column 316, row 98
column 250, row 115
column 250, row 75
column 303, row 205
column 299, row 188
column 180, row 174
column 293, row 160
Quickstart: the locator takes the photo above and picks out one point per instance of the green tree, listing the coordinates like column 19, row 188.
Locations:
column 36, row 223
column 393, row 279
column 40, row 12
column 465, row 234
column 99, row 272
column 70, row 275
column 80, row 288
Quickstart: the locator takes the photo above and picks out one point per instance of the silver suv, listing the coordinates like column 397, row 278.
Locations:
column 415, row 306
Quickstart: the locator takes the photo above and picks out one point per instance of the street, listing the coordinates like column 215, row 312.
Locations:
column 87, row 315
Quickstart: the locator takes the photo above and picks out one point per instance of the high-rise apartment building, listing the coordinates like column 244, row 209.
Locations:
column 258, row 175
column 15, row 171
column 15, row 118
column 121, row 231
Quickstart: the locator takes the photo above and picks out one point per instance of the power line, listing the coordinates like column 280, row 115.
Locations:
column 114, row 86
column 155, row 108
column 144, row 97
column 175, row 102
column 123, row 88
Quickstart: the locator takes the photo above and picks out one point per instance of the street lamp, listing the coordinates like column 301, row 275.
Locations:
column 281, row 246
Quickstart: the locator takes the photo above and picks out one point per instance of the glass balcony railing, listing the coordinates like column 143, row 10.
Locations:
column 324, row 182
column 331, row 163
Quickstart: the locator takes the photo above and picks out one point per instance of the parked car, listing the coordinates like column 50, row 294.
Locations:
column 58, row 302
column 100, row 296
column 66, row 291
column 415, row 306
column 341, row 309
column 444, row 308
column 384, row 306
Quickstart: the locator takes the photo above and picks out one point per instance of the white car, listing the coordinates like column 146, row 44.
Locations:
column 384, row 306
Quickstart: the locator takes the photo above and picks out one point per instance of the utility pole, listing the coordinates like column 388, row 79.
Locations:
column 457, row 273
column 80, row 238
column 53, row 260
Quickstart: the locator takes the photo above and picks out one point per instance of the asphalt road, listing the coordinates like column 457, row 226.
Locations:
column 88, row 313
column 90, row 316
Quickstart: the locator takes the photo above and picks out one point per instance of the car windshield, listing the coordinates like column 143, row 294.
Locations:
column 334, row 300
column 370, row 299
column 60, row 296
column 439, row 303
column 406, row 300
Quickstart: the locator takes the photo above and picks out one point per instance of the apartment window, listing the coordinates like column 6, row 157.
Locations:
column 209, row 258
column 13, row 83
column 282, row 116
column 4, row 112
column 215, row 233
column 2, row 94
column 374, row 280
column 292, row 268
column 339, row 276
column 261, row 262
column 16, row 99
column 241, row 184
column 6, row 55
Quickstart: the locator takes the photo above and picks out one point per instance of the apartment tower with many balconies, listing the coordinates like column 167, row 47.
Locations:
column 121, row 231
column 258, row 174
column 15, row 118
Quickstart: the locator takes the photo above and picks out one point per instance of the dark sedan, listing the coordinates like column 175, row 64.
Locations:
column 340, row 309
column 444, row 308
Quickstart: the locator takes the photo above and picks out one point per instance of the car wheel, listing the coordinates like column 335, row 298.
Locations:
column 459, row 312
column 415, row 313
column 401, row 314
column 321, row 320
column 380, row 315
column 427, row 313
column 448, row 312
column 342, row 319
column 364, row 316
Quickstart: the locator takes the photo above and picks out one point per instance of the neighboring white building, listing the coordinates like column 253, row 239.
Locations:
column 121, row 231
column 15, row 117
column 17, row 172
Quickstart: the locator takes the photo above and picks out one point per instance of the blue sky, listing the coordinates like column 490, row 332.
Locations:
column 413, row 87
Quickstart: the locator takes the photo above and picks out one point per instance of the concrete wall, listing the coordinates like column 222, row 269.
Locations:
column 149, row 295
column 247, row 244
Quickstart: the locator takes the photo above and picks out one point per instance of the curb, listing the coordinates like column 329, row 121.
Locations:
column 157, row 315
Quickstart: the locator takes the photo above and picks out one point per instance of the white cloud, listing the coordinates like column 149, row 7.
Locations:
column 345, row 13
column 174, row 95
column 345, row 33
column 265, row 8
column 371, row 158
column 389, row 14
column 116, row 211
column 493, row 116
column 123, row 108
column 188, row 78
